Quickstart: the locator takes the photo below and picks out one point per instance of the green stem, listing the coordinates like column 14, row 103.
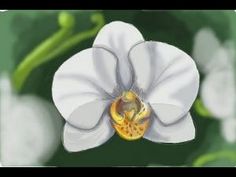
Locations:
column 37, row 56
column 77, row 38
column 54, row 46
column 206, row 158
column 201, row 109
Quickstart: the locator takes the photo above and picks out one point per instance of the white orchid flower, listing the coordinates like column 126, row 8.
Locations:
column 126, row 85
column 29, row 128
column 218, row 90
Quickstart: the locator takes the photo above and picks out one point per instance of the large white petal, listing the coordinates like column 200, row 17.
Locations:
column 88, row 115
column 218, row 93
column 205, row 46
column 165, row 74
column 78, row 140
column 87, row 76
column 119, row 37
column 228, row 129
column 181, row 131
column 30, row 132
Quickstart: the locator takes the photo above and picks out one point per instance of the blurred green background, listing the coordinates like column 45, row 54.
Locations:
column 22, row 31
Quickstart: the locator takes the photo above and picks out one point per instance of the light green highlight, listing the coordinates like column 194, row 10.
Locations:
column 206, row 158
column 201, row 109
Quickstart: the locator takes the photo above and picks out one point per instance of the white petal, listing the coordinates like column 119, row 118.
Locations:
column 7, row 95
column 230, row 47
column 119, row 37
column 78, row 140
column 166, row 113
column 181, row 131
column 5, row 84
column 88, row 115
column 218, row 93
column 166, row 74
column 223, row 59
column 30, row 132
column 205, row 46
column 87, row 76
column 229, row 129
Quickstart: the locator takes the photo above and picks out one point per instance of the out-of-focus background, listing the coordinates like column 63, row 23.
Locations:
column 31, row 128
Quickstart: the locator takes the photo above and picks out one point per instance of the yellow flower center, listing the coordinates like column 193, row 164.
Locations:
column 130, row 116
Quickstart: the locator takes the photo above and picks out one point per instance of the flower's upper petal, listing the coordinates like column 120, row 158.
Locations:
column 229, row 129
column 88, row 115
column 218, row 93
column 78, row 140
column 87, row 76
column 223, row 60
column 205, row 46
column 181, row 131
column 119, row 37
column 165, row 74
column 31, row 132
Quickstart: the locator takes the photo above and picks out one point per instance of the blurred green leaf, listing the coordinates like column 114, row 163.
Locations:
column 215, row 150
column 223, row 156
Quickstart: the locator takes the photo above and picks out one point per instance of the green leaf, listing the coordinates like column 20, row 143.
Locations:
column 201, row 109
column 215, row 150
column 223, row 155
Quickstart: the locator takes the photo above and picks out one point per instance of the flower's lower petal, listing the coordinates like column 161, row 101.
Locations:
column 228, row 129
column 30, row 132
column 165, row 74
column 87, row 76
column 218, row 93
column 167, row 113
column 181, row 131
column 88, row 115
column 209, row 54
column 119, row 37
column 78, row 140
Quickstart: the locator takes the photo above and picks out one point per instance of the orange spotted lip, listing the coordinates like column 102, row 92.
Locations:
column 130, row 116
column 130, row 130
